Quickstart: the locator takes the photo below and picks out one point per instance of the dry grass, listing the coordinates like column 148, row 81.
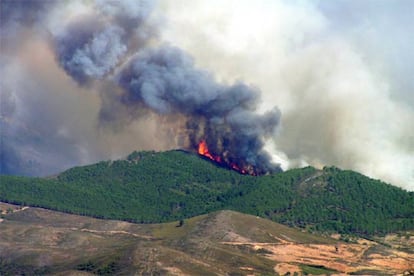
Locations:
column 219, row 243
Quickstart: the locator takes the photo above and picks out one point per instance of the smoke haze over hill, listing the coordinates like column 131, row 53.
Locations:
column 339, row 72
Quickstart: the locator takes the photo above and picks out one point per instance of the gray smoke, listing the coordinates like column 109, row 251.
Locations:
column 166, row 81
column 83, row 81
column 38, row 138
column 340, row 71
column 110, row 47
column 84, row 58
column 90, row 47
column 15, row 14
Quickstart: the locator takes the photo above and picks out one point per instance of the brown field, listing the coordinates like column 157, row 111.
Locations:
column 38, row 241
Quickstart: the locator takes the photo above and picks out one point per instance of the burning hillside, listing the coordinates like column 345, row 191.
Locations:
column 224, row 117
column 224, row 161
column 114, row 47
column 204, row 151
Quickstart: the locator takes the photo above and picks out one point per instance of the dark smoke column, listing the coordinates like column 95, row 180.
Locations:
column 166, row 81
column 100, row 46
column 91, row 47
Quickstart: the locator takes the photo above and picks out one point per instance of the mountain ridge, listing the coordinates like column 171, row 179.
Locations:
column 149, row 187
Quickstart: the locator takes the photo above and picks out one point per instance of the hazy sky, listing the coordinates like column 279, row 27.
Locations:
column 339, row 72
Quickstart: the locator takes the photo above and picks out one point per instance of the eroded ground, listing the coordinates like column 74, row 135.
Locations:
column 221, row 243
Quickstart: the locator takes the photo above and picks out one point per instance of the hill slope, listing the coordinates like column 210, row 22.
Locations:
column 38, row 241
column 151, row 187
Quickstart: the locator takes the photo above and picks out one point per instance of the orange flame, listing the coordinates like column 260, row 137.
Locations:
column 204, row 151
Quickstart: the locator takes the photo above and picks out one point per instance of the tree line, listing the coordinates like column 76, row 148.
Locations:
column 149, row 187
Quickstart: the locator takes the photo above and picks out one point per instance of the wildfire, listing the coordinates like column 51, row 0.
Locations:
column 204, row 151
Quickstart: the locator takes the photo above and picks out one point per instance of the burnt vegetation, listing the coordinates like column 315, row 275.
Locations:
column 150, row 187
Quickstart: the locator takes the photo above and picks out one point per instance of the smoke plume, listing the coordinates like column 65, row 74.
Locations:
column 165, row 80
column 115, row 36
column 83, row 81
column 92, row 45
column 339, row 71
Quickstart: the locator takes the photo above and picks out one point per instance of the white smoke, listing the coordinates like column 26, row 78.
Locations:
column 339, row 80
column 339, row 71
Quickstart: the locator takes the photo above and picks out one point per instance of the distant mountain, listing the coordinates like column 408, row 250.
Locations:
column 150, row 187
column 35, row 241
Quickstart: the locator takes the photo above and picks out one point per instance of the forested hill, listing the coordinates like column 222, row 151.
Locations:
column 156, row 187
